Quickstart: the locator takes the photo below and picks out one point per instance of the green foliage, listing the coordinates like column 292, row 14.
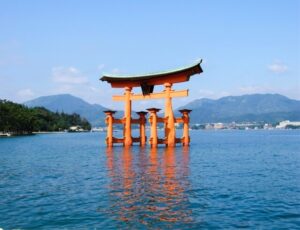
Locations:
column 19, row 119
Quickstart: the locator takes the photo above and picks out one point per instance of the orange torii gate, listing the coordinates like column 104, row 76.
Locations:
column 147, row 83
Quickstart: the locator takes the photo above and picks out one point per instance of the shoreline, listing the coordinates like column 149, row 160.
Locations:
column 7, row 134
column 47, row 132
column 4, row 135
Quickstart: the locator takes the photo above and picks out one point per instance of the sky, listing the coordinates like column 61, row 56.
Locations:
column 53, row 47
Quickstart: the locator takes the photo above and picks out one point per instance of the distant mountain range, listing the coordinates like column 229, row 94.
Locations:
column 255, row 107
column 70, row 104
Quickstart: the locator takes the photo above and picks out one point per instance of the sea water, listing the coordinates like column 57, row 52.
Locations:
column 225, row 179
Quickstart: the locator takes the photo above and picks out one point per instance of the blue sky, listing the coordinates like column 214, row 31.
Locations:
column 52, row 47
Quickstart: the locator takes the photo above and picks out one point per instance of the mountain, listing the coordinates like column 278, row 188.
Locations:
column 254, row 107
column 70, row 104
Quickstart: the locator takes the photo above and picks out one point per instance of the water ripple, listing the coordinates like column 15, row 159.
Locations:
column 227, row 179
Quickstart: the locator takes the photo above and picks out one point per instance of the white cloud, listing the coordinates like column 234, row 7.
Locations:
column 210, row 94
column 65, row 88
column 10, row 54
column 25, row 94
column 115, row 71
column 92, row 88
column 101, row 67
column 71, row 80
column 278, row 67
column 292, row 92
column 253, row 89
column 205, row 93
column 69, row 75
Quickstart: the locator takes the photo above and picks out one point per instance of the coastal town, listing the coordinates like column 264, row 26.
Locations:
column 229, row 126
column 248, row 125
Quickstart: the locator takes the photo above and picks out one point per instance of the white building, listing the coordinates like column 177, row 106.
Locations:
column 284, row 124
column 218, row 126
column 75, row 128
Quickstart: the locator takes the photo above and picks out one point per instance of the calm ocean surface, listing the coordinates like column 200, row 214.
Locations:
column 226, row 179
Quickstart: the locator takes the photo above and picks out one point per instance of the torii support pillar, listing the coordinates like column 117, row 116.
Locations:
column 169, row 116
column 109, row 121
column 186, row 126
column 142, row 122
column 127, row 117
column 153, row 121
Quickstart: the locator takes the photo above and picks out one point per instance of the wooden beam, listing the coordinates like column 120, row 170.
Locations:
column 161, row 119
column 179, row 93
column 161, row 141
column 136, row 139
column 118, row 140
column 178, row 120
column 118, row 121
column 135, row 121
column 179, row 140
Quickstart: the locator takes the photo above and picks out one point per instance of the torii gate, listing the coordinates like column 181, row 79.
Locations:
column 147, row 83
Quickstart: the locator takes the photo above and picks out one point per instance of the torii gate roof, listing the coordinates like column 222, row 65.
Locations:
column 159, row 78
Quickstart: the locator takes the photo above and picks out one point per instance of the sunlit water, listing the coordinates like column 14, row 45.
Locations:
column 226, row 179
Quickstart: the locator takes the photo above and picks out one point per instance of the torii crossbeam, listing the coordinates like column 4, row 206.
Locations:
column 147, row 83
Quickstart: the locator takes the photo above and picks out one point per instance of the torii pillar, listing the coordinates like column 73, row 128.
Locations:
column 109, row 121
column 142, row 123
column 127, row 117
column 153, row 121
column 186, row 122
column 169, row 116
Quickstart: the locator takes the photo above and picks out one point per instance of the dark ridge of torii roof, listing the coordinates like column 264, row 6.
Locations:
column 144, row 78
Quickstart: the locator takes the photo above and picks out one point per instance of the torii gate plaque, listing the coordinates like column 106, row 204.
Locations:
column 147, row 83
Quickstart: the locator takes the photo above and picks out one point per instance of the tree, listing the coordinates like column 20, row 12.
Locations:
column 18, row 119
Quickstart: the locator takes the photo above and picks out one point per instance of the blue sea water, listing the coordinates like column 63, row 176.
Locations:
column 224, row 180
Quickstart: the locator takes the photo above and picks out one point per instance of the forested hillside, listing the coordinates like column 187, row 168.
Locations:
column 19, row 119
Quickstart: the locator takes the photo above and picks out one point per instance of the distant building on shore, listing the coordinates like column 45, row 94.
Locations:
column 218, row 126
column 99, row 129
column 288, row 124
column 76, row 128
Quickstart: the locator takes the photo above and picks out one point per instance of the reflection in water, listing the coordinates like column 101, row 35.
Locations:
column 148, row 186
